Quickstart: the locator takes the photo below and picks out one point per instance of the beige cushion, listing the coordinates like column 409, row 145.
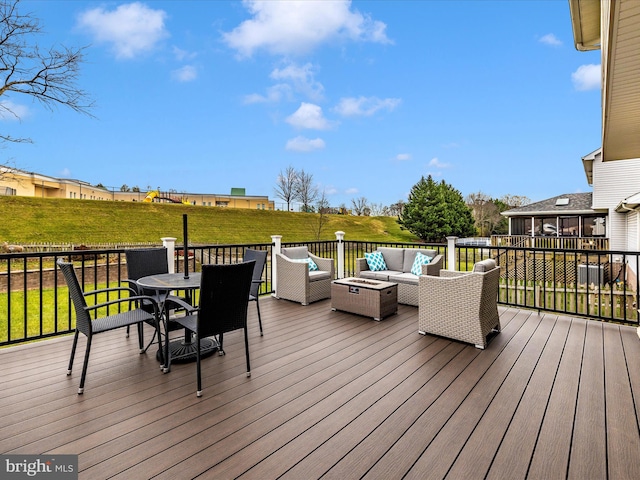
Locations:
column 393, row 257
column 484, row 265
column 404, row 278
column 295, row 252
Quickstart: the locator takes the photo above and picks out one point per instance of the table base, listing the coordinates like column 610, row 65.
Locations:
column 182, row 351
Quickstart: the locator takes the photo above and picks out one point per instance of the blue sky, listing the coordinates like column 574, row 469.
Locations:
column 367, row 96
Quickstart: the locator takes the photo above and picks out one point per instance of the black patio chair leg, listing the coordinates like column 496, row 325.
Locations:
column 73, row 352
column 246, row 350
column 220, row 349
column 140, row 338
column 259, row 318
column 84, row 366
column 198, row 372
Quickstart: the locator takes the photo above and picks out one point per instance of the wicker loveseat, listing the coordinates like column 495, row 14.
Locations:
column 399, row 262
column 296, row 282
column 461, row 305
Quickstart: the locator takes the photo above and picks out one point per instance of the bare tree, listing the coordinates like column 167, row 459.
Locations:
column 485, row 212
column 305, row 191
column 514, row 201
column 395, row 209
column 48, row 76
column 286, row 186
column 377, row 209
column 360, row 206
column 320, row 220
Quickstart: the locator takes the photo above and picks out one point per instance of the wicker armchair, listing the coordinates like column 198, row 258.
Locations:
column 294, row 280
column 461, row 305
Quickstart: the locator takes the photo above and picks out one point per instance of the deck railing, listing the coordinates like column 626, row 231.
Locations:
column 598, row 284
column 575, row 243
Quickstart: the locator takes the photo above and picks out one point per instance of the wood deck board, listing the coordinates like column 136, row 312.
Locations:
column 336, row 395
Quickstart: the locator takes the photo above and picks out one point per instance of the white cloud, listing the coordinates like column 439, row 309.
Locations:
column 351, row 191
column 274, row 94
column 10, row 111
column 437, row 163
column 303, row 144
column 550, row 39
column 130, row 29
column 586, row 77
column 182, row 55
column 302, row 79
column 65, row 173
column 185, row 74
column 365, row 106
column 308, row 116
column 403, row 156
column 298, row 26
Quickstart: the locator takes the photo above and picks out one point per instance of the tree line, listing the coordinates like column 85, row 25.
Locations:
column 433, row 211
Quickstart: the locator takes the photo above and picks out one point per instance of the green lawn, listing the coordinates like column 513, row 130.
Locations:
column 45, row 301
column 34, row 220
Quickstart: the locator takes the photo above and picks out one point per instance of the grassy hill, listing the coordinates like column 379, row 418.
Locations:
column 27, row 220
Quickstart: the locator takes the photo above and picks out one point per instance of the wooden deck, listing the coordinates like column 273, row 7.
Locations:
column 338, row 396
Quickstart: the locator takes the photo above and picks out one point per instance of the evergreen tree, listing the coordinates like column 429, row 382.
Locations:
column 435, row 211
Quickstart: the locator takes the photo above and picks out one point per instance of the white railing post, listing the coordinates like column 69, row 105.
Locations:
column 170, row 244
column 276, row 242
column 340, row 238
column 451, row 253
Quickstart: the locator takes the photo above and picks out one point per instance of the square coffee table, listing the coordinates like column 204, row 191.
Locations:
column 370, row 298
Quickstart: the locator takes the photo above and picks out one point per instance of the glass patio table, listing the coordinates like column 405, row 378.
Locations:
column 183, row 349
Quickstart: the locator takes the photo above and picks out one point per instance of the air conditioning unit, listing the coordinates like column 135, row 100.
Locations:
column 591, row 274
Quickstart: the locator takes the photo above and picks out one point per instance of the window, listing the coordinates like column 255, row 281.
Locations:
column 521, row 226
column 594, row 226
column 569, row 226
column 545, row 227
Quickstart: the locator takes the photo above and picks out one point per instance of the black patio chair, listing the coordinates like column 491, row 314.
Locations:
column 260, row 257
column 142, row 262
column 224, row 300
column 89, row 323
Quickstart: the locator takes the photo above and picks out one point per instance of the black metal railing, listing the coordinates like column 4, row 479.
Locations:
column 601, row 285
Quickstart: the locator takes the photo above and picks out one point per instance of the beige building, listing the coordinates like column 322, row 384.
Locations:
column 31, row 184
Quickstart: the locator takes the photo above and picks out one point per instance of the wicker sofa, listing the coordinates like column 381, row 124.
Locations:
column 399, row 262
column 294, row 280
column 461, row 305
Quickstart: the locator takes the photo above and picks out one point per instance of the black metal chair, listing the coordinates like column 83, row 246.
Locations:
column 260, row 257
column 224, row 300
column 142, row 262
column 89, row 326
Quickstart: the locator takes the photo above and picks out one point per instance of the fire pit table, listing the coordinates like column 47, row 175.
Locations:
column 369, row 298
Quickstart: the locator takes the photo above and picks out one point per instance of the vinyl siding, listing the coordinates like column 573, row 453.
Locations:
column 612, row 183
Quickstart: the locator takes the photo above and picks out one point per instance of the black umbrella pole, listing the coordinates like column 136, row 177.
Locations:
column 185, row 249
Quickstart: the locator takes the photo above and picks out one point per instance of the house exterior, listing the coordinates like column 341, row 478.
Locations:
column 616, row 190
column 30, row 184
column 611, row 211
column 567, row 215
